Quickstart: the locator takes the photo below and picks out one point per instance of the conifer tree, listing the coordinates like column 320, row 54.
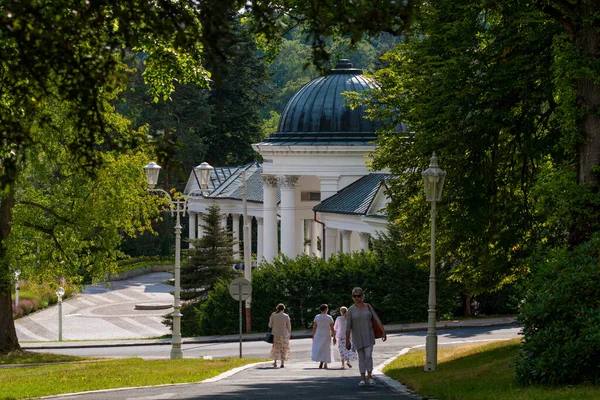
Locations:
column 210, row 259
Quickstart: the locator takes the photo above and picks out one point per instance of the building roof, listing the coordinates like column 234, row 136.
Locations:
column 356, row 198
column 226, row 183
column 318, row 113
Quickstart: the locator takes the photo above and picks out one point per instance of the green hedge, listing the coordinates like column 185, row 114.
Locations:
column 561, row 318
column 392, row 283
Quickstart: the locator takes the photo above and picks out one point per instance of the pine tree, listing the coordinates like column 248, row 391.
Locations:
column 210, row 259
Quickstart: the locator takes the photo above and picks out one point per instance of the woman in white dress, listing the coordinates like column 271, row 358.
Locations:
column 322, row 332
column 340, row 333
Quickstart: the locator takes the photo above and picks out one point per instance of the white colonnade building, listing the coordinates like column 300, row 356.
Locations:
column 312, row 193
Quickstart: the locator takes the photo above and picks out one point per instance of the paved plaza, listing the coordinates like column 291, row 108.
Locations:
column 106, row 312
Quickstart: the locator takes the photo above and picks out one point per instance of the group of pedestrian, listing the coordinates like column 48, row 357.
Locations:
column 353, row 332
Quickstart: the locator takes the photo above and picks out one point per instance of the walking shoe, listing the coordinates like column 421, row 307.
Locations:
column 361, row 383
column 349, row 365
column 371, row 382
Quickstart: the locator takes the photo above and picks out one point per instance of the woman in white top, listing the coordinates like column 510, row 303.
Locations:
column 340, row 333
column 281, row 328
column 321, row 334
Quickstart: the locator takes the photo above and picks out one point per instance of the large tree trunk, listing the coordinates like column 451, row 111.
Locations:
column 587, row 41
column 586, row 38
column 8, row 336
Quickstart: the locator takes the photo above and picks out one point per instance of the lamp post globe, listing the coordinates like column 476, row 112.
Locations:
column 203, row 172
column 152, row 170
column 433, row 178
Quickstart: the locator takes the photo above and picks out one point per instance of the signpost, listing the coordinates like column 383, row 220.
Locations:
column 240, row 289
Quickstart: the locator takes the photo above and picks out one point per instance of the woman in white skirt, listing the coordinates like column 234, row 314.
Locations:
column 340, row 333
column 322, row 332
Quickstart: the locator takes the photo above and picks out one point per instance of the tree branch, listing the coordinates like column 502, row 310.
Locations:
column 46, row 209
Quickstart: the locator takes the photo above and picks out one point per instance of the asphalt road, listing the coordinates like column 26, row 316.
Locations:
column 301, row 348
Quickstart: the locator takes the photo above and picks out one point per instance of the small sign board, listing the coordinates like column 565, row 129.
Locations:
column 240, row 289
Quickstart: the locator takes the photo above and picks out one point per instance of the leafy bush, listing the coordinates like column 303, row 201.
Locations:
column 219, row 314
column 561, row 318
column 142, row 262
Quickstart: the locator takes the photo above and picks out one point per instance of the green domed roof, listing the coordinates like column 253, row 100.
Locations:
column 318, row 115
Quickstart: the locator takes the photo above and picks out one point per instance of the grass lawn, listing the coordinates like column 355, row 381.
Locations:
column 477, row 372
column 93, row 374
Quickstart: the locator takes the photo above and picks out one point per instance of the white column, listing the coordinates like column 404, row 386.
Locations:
column 199, row 227
column 331, row 239
column 270, row 241
column 248, row 239
column 364, row 240
column 288, row 215
column 259, row 240
column 236, row 235
column 346, row 236
column 224, row 221
column 192, row 223
column 317, row 232
column 307, row 225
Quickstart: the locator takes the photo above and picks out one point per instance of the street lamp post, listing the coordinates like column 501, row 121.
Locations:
column 60, row 293
column 17, row 273
column 247, row 247
column 433, row 178
column 178, row 208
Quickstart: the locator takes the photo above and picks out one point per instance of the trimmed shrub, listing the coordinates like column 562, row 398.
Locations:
column 219, row 314
column 394, row 285
column 561, row 318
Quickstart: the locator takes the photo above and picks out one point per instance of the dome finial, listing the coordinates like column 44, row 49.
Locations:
column 343, row 63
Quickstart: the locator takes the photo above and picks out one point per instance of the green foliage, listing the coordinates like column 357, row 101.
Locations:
column 561, row 201
column 142, row 262
column 219, row 314
column 65, row 223
column 473, row 82
column 318, row 22
column 561, row 317
column 393, row 284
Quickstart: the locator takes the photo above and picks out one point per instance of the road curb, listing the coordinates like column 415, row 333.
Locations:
column 249, row 338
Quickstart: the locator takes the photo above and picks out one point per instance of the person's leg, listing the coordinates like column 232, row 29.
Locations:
column 368, row 351
column 368, row 354
column 362, row 368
